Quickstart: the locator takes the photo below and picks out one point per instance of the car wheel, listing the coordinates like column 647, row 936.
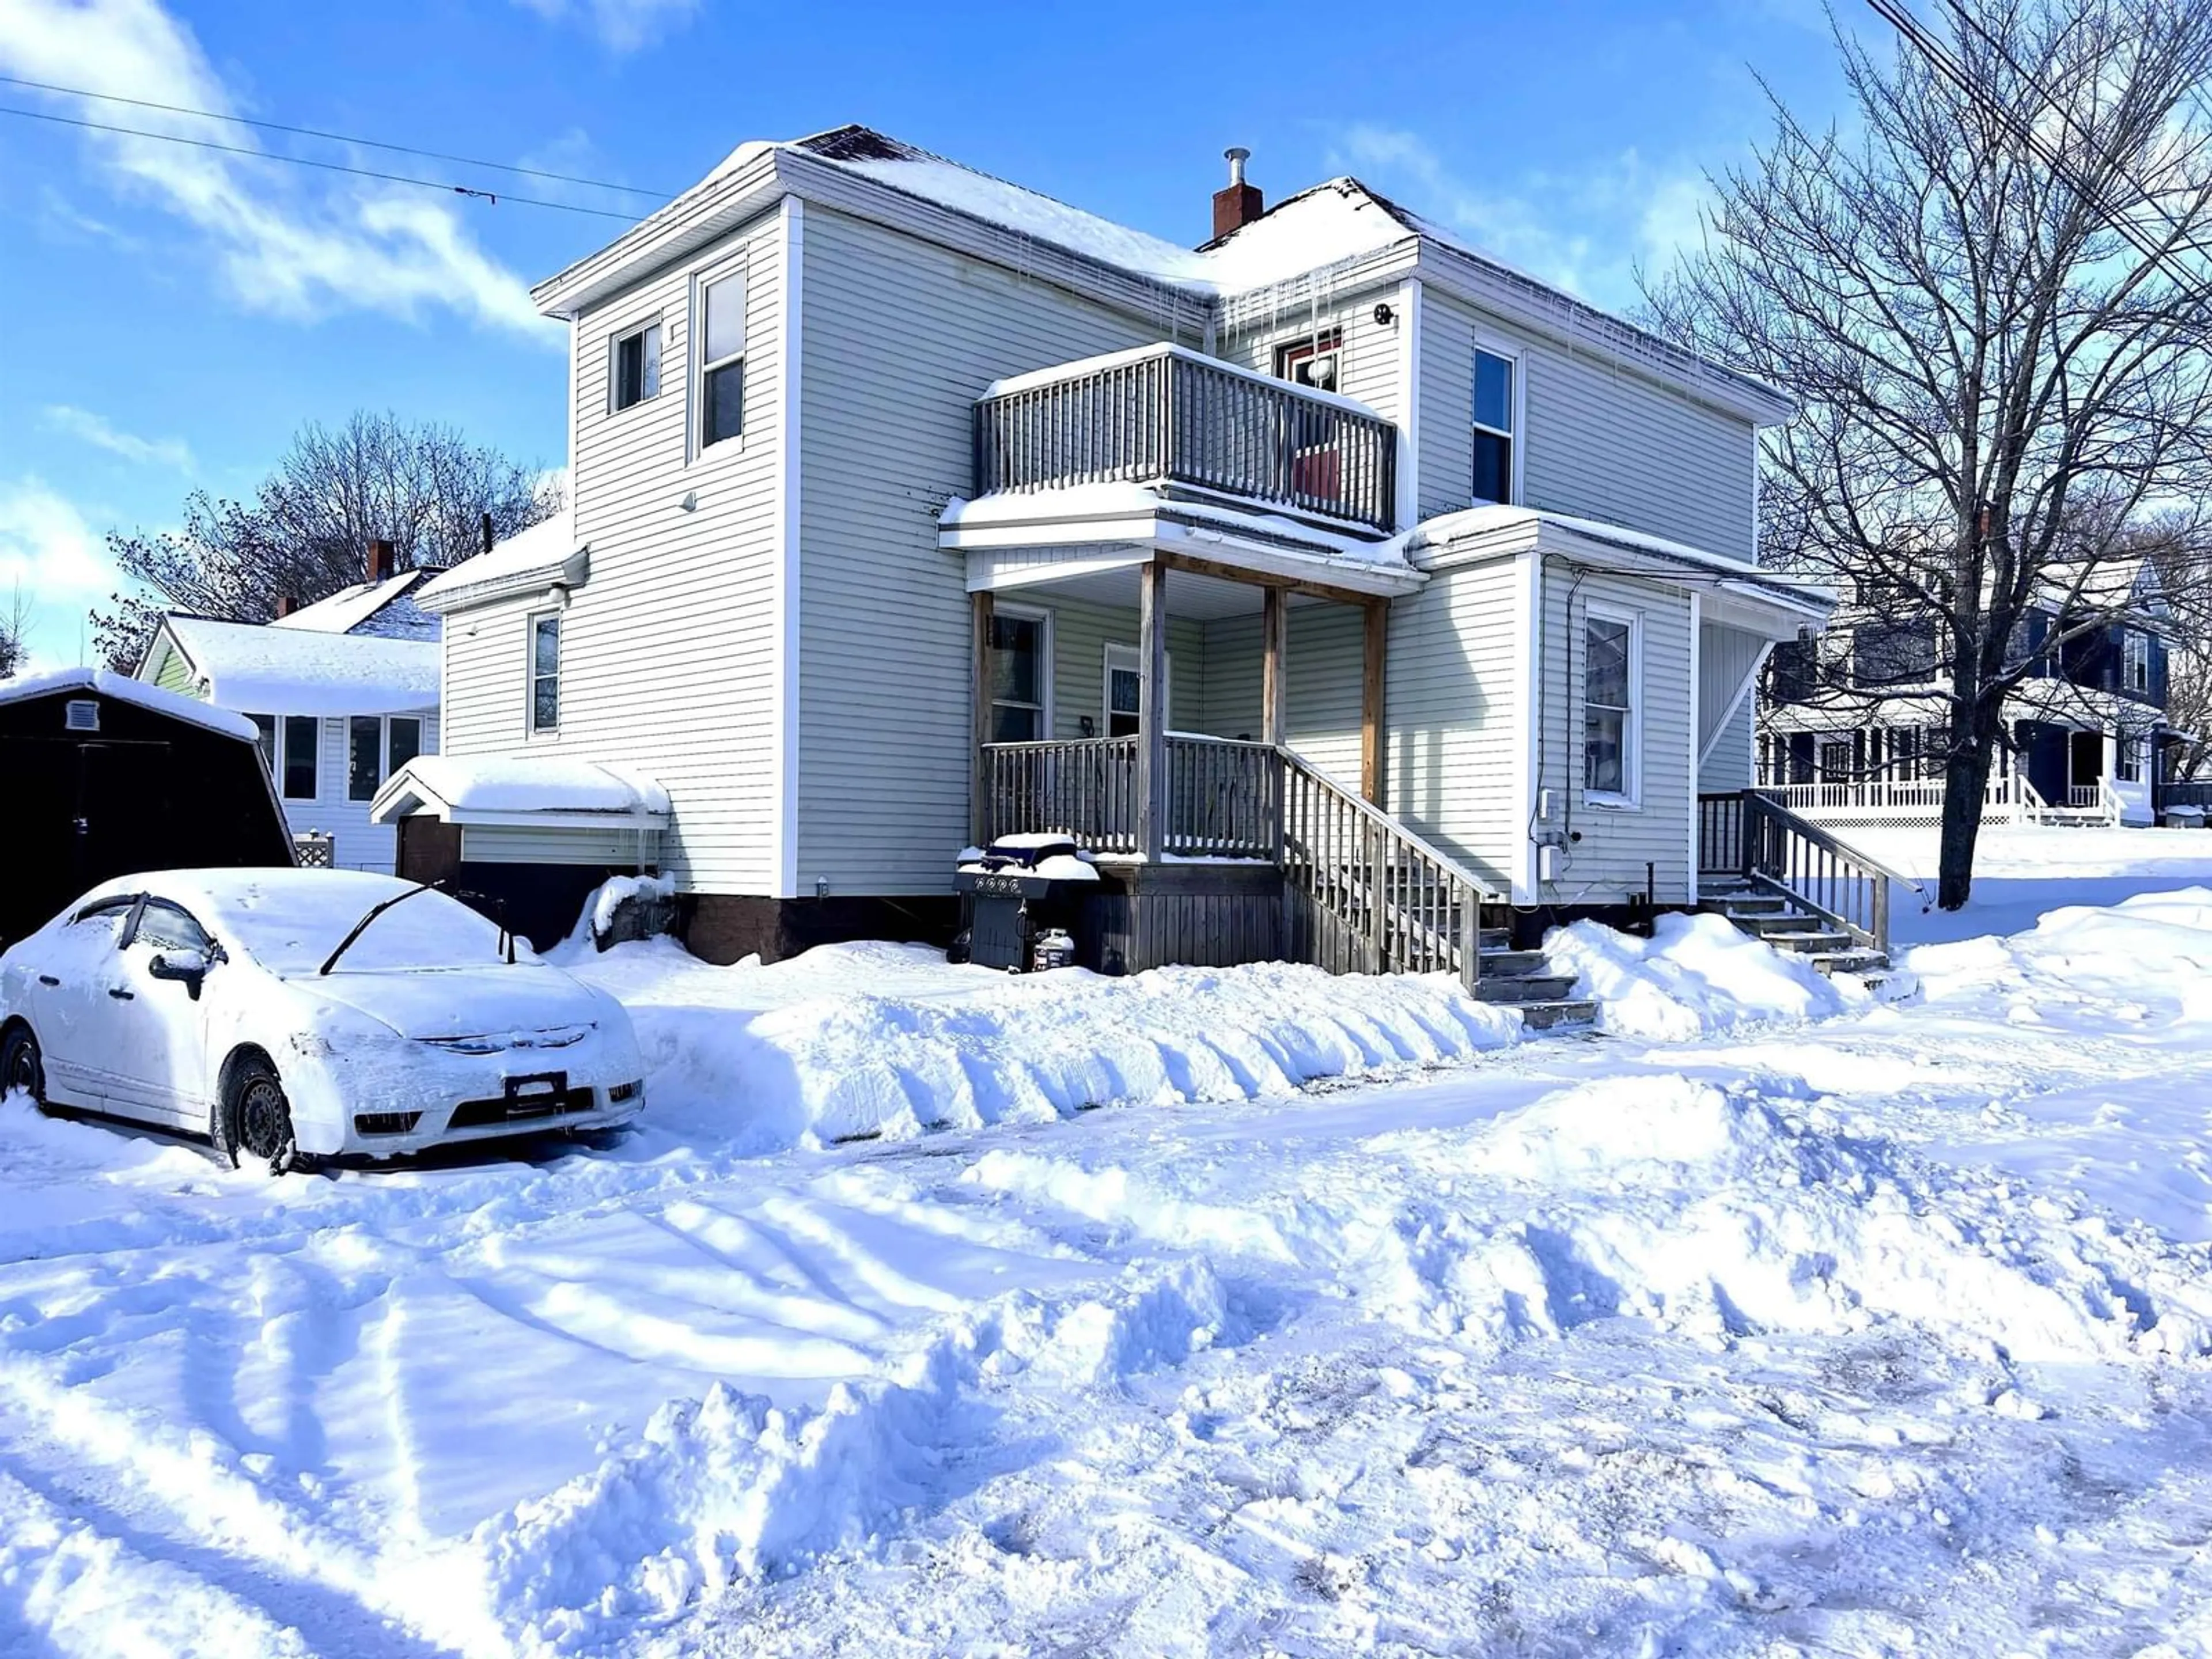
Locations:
column 256, row 1118
column 22, row 1066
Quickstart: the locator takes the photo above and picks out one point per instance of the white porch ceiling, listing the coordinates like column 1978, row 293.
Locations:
column 1196, row 598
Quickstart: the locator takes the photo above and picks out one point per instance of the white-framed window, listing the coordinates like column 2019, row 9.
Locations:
column 1125, row 691
column 303, row 742
column 1021, row 675
column 1613, row 675
column 1497, row 418
column 376, row 747
column 545, row 671
column 2135, row 653
column 1314, row 358
column 634, row 366
column 718, row 324
column 2127, row 758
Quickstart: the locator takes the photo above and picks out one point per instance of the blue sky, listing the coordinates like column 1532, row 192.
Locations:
column 168, row 316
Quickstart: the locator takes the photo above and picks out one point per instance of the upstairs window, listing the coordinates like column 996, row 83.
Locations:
column 1609, row 676
column 722, row 333
column 1018, row 667
column 302, row 736
column 546, row 673
column 636, row 367
column 1316, row 360
column 2136, row 660
column 1893, row 653
column 1494, row 427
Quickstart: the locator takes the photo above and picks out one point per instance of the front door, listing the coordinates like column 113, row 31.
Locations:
column 2085, row 759
column 1124, row 690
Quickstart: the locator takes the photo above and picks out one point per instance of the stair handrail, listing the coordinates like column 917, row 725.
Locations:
column 1778, row 867
column 1465, row 952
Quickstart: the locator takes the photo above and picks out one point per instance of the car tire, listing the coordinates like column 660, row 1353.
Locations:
column 22, row 1066
column 255, row 1120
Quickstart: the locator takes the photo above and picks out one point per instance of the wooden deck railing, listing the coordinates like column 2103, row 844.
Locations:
column 1168, row 414
column 1750, row 834
column 1364, row 894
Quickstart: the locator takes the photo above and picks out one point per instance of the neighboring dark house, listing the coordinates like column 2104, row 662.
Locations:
column 107, row 775
column 1852, row 722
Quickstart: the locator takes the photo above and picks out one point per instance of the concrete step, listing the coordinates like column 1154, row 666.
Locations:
column 1564, row 1015
column 1860, row 961
column 1523, row 988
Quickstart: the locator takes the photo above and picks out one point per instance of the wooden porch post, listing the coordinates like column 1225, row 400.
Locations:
column 1153, row 710
column 1373, row 643
column 983, row 608
column 1274, row 615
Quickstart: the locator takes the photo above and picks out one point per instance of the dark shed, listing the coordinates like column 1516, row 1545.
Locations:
column 102, row 775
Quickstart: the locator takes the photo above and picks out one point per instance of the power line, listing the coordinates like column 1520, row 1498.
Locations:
column 493, row 196
column 333, row 137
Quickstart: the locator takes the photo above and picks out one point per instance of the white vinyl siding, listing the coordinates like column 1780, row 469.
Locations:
column 899, row 339
column 668, row 650
column 1729, row 766
column 1322, row 669
column 1368, row 363
column 1597, row 438
column 1606, row 864
column 356, row 843
column 486, row 844
column 1080, row 634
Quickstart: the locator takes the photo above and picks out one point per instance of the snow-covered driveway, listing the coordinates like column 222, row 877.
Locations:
column 1886, row 1333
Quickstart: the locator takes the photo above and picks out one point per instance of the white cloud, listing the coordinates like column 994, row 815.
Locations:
column 47, row 550
column 281, row 244
column 623, row 25
column 98, row 431
column 1588, row 233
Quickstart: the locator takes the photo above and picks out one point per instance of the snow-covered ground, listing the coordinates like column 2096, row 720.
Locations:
column 2019, row 873
column 1863, row 1329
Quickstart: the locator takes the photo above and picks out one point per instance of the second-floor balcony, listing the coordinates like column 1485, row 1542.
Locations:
column 1167, row 416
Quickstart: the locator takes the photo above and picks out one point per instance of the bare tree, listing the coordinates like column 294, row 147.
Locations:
column 15, row 624
column 1987, row 304
column 305, row 535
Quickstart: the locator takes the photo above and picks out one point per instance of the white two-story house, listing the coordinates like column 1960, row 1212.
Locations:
column 1336, row 584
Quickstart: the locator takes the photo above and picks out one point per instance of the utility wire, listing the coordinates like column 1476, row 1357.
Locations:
column 334, row 137
column 493, row 197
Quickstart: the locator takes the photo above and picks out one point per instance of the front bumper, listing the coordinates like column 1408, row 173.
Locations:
column 395, row 1133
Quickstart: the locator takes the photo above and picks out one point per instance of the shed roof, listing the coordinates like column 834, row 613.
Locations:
column 124, row 688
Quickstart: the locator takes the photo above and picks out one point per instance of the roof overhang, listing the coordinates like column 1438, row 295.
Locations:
column 440, row 791
column 570, row 570
column 1731, row 592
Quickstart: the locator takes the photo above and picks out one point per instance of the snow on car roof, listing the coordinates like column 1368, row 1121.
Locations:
column 267, row 670
column 290, row 921
column 124, row 688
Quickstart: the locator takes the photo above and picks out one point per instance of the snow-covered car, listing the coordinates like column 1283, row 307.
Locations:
column 308, row 1012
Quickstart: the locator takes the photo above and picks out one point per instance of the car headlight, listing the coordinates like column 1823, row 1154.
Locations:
column 622, row 1091
column 467, row 1045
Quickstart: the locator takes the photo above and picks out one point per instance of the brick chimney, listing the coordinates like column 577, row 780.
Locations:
column 379, row 561
column 286, row 605
column 1240, row 204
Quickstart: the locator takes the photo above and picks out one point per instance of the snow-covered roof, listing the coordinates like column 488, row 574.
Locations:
column 124, row 688
column 1313, row 232
column 554, row 791
column 544, row 555
column 385, row 609
column 261, row 670
column 2126, row 584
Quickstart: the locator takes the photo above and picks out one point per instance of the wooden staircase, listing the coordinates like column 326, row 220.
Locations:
column 1794, row 886
column 1780, row 921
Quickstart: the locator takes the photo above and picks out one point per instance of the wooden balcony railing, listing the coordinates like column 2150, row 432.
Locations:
column 1222, row 799
column 1165, row 413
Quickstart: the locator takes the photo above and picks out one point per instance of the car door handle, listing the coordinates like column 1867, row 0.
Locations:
column 122, row 995
column 48, row 979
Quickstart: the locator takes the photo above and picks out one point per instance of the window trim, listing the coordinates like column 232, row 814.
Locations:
column 1046, row 665
column 384, row 766
column 1492, row 346
column 614, row 363
column 1287, row 354
column 1131, row 659
column 1629, row 797
column 557, row 615
column 697, row 368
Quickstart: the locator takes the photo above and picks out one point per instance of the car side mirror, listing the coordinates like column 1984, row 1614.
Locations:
column 188, row 967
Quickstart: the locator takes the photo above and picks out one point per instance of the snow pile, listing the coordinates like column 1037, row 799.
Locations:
column 2147, row 960
column 732, row 1488
column 848, row 1041
column 1696, row 975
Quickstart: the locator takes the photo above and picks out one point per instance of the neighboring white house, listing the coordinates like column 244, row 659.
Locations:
column 344, row 692
column 1851, row 722
column 909, row 505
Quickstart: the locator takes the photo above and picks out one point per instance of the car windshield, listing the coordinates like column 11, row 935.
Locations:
column 291, row 924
